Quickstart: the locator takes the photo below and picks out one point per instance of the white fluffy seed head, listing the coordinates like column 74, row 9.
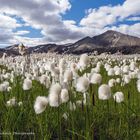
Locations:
column 67, row 76
column 132, row 66
column 118, row 97
column 64, row 95
column 55, row 89
column 44, row 79
column 55, row 72
column 51, row 66
column 20, row 103
column 7, row 76
column 96, row 78
column 84, row 60
column 62, row 65
column 111, row 82
column 138, row 85
column 126, row 79
column 118, row 80
column 82, row 84
column 27, row 84
column 54, row 100
column 2, row 87
column 6, row 83
column 54, row 95
column 126, row 69
column 118, row 71
column 73, row 67
column 104, row 92
column 11, row 102
column 9, row 89
column 40, row 104
column 35, row 70
column 42, row 70
column 111, row 72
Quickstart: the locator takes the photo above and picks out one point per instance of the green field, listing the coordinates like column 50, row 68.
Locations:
column 80, row 117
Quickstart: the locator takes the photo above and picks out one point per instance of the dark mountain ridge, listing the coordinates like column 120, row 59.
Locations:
column 110, row 41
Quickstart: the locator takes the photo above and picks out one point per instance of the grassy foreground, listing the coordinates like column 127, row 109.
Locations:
column 97, row 119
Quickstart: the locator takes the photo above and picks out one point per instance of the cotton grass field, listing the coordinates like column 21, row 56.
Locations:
column 67, row 97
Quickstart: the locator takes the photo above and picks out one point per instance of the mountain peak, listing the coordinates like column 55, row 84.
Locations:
column 112, row 32
column 86, row 39
column 109, row 41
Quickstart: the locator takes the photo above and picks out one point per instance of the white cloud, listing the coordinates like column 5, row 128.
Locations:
column 127, row 29
column 8, row 22
column 47, row 15
column 98, row 19
column 22, row 32
column 133, row 19
column 37, row 13
column 27, row 41
column 5, row 35
column 44, row 15
column 108, row 15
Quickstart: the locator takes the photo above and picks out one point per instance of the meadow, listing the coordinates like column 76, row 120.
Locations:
column 68, row 97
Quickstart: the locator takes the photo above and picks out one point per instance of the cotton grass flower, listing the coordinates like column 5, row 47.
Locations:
column 62, row 65
column 132, row 66
column 118, row 80
column 126, row 69
column 111, row 82
column 96, row 78
column 35, row 70
column 73, row 67
column 9, row 89
column 138, row 85
column 126, row 79
column 67, row 76
column 20, row 103
column 111, row 72
column 42, row 70
column 7, row 76
column 84, row 61
column 55, row 72
column 132, row 75
column 6, row 83
column 118, row 71
column 40, row 104
column 104, row 92
column 64, row 95
column 11, row 102
column 27, row 84
column 54, row 95
column 44, row 79
column 3, row 87
column 118, row 97
column 82, row 84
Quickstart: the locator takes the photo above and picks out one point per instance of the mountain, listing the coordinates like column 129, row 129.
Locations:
column 110, row 41
column 115, row 39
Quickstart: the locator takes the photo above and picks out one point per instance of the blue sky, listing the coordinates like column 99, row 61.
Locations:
column 63, row 21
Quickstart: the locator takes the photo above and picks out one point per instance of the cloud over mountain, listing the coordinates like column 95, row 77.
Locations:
column 18, row 17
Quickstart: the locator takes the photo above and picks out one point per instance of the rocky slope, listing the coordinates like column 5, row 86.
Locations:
column 110, row 41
